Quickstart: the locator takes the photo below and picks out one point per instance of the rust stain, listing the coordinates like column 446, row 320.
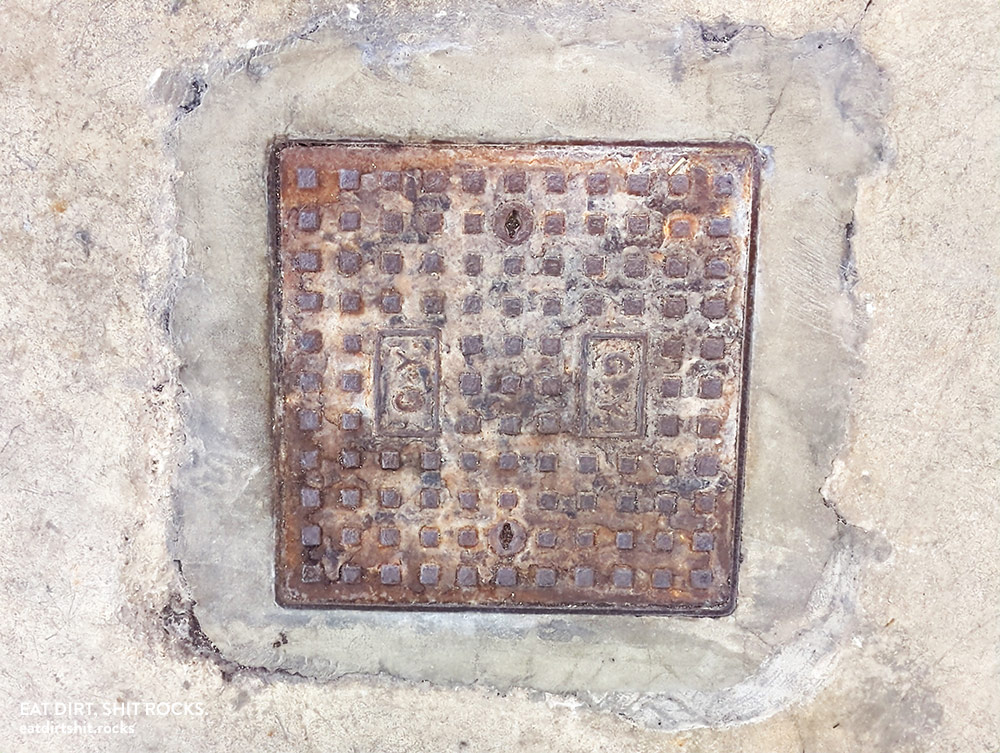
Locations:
column 511, row 377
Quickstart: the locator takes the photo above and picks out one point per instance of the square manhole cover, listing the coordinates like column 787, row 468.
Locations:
column 511, row 376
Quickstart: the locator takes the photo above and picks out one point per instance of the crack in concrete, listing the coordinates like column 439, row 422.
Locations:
column 793, row 674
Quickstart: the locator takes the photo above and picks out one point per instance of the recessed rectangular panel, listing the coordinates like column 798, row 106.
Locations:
column 407, row 373
column 613, row 390
column 511, row 377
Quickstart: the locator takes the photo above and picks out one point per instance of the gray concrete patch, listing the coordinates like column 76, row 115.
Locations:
column 813, row 104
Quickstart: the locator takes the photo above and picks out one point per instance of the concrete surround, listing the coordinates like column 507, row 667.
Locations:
column 134, row 433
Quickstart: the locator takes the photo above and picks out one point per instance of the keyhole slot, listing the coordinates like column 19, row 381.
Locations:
column 506, row 535
column 512, row 224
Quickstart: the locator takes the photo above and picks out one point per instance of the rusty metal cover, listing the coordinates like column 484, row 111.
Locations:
column 511, row 376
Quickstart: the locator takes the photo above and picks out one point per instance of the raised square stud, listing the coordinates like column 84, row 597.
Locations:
column 429, row 575
column 472, row 304
column 508, row 461
column 513, row 346
column 510, row 425
column 546, row 462
column 515, row 182
column 351, row 458
column 392, row 224
column 350, row 220
column 308, row 219
column 309, row 497
column 625, row 540
column 662, row 579
column 350, row 537
column 627, row 502
column 311, row 535
column 470, row 383
column 552, row 266
column 474, row 223
column 555, row 223
column 310, row 381
column 596, row 223
column 622, row 577
column 430, row 498
column 674, row 307
column 638, row 184
column 506, row 577
column 432, row 263
column 429, row 537
column 705, row 502
column 388, row 537
column 468, row 538
column 434, row 181
column 310, row 342
column 701, row 579
column 472, row 345
column 390, row 575
column 473, row 264
column 593, row 266
column 666, row 465
column 307, row 261
column 507, row 500
column 513, row 265
column 550, row 346
column 666, row 503
column 467, row 577
column 597, row 183
column 545, row 577
column 664, row 542
column 672, row 348
column 350, row 180
column 710, row 388
column 309, row 420
column 474, row 182
column 585, row 538
column 703, row 542
column 719, row 227
column 391, row 302
column 350, row 498
column 548, row 501
column 305, row 177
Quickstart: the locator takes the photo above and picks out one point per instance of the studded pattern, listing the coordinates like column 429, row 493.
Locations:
column 512, row 376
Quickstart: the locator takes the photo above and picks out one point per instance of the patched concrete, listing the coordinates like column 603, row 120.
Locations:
column 798, row 585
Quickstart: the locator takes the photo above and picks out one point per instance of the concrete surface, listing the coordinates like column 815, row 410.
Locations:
column 870, row 605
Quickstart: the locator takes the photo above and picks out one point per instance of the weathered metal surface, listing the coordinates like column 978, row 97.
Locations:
column 511, row 376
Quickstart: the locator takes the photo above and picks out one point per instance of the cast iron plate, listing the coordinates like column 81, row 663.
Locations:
column 511, row 376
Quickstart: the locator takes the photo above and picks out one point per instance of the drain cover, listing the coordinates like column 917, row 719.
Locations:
column 511, row 376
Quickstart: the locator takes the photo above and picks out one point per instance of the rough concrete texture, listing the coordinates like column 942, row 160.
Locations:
column 897, row 497
column 798, row 595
